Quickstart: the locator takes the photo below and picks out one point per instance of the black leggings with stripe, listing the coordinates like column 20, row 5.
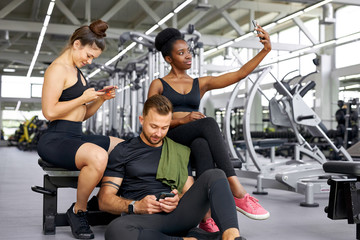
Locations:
column 207, row 145
column 211, row 189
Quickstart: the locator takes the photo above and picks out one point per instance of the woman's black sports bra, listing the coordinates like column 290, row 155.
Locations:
column 75, row 90
column 183, row 102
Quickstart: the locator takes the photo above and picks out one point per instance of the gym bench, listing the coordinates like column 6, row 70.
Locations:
column 344, row 198
column 62, row 178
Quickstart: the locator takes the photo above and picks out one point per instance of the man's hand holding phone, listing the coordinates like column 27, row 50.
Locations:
column 169, row 201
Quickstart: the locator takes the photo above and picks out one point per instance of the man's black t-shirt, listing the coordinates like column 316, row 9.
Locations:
column 137, row 164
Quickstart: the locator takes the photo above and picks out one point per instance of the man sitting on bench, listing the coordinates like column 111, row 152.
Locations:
column 142, row 168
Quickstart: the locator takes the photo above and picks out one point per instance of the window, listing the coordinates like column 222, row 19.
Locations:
column 290, row 35
column 313, row 27
column 344, row 16
column 20, row 87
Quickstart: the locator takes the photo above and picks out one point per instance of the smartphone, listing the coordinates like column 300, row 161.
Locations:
column 255, row 26
column 107, row 89
column 164, row 195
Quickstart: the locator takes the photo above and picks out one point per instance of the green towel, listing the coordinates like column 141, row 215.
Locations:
column 173, row 165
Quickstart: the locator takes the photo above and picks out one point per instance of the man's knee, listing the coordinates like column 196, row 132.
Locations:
column 115, row 229
column 124, row 227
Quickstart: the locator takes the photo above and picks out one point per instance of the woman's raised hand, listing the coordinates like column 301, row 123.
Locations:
column 265, row 37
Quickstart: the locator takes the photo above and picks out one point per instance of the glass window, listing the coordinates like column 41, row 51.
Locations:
column 274, row 37
column 345, row 55
column 348, row 95
column 313, row 27
column 344, row 16
column 19, row 86
column 290, row 35
column 306, row 64
column 347, row 19
column 286, row 66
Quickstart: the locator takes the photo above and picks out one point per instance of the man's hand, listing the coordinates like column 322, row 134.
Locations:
column 147, row 205
column 169, row 204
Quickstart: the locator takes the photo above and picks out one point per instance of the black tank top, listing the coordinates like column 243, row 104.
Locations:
column 183, row 102
column 75, row 90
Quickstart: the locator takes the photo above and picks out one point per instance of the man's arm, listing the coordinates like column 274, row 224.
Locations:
column 108, row 199
column 110, row 202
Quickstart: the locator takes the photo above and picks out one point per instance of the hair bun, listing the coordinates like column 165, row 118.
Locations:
column 166, row 35
column 99, row 27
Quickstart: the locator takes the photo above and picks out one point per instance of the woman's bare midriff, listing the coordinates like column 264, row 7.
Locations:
column 76, row 115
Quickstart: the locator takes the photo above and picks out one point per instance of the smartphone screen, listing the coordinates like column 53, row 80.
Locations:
column 106, row 89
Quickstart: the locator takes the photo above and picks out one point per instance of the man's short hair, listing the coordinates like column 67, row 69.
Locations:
column 159, row 103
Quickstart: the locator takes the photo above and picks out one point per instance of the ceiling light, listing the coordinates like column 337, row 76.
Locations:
column 316, row 5
column 9, row 70
column 181, row 6
column 210, row 51
column 291, row 16
column 249, row 34
column 225, row 44
column 18, row 106
column 348, row 38
column 167, row 17
column 294, row 15
column 41, row 37
column 324, row 44
column 46, row 21
column 152, row 29
column 51, row 7
column 269, row 26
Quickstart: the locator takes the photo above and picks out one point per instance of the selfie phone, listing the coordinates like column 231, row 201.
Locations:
column 164, row 195
column 106, row 89
column 255, row 26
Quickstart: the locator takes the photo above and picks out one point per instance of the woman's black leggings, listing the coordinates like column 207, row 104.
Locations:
column 207, row 145
column 210, row 190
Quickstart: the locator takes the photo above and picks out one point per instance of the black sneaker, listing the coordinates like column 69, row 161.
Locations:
column 93, row 204
column 79, row 225
column 201, row 234
column 240, row 238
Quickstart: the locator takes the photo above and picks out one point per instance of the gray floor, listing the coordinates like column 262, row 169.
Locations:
column 21, row 209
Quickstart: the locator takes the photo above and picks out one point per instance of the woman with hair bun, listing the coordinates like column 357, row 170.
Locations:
column 190, row 127
column 67, row 101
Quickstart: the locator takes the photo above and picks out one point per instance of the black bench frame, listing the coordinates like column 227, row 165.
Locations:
column 344, row 198
column 54, row 179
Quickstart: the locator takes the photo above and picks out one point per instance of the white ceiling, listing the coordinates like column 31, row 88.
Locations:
column 219, row 21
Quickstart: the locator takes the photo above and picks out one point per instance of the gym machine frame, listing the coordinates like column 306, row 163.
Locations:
column 297, row 175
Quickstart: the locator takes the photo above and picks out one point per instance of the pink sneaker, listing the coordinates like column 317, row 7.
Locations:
column 209, row 225
column 250, row 207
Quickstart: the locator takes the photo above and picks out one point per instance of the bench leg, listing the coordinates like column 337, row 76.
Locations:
column 49, row 208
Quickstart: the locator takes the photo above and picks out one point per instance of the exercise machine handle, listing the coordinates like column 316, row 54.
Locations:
column 307, row 88
column 300, row 118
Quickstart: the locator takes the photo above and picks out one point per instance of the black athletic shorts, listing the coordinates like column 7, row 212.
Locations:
column 59, row 144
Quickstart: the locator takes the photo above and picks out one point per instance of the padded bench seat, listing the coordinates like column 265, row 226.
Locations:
column 348, row 168
column 55, row 178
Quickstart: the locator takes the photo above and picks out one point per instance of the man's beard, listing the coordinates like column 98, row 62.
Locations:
column 148, row 138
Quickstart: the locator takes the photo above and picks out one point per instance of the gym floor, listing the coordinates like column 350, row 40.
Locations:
column 21, row 209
